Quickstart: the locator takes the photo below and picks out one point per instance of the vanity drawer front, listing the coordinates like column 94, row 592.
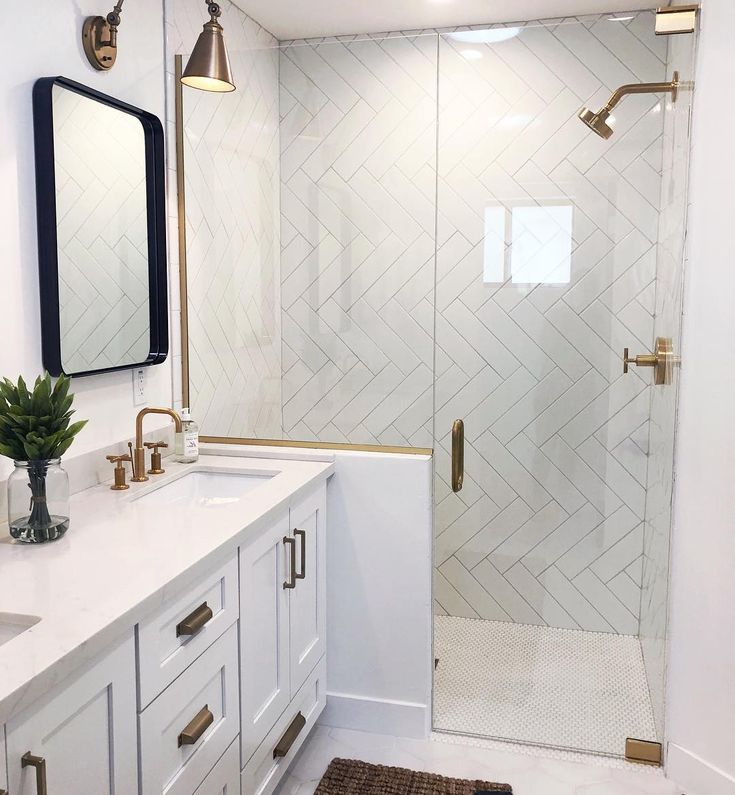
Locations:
column 225, row 778
column 266, row 768
column 190, row 725
column 170, row 640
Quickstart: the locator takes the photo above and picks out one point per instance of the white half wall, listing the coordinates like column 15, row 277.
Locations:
column 48, row 42
column 379, row 594
column 701, row 693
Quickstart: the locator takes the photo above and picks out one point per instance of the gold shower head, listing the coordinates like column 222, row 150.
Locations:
column 597, row 122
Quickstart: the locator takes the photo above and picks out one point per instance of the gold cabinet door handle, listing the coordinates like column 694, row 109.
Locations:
column 301, row 575
column 289, row 737
column 457, row 455
column 291, row 544
column 196, row 727
column 39, row 763
column 195, row 620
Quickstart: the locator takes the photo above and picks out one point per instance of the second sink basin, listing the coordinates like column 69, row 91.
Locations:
column 12, row 625
column 207, row 488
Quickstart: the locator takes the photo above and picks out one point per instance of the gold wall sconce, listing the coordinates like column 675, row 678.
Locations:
column 209, row 65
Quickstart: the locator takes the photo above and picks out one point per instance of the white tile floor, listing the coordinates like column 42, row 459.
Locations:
column 556, row 687
column 529, row 773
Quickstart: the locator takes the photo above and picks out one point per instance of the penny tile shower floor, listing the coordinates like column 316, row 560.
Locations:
column 539, row 685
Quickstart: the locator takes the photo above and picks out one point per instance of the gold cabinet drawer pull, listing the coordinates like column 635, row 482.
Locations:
column 289, row 737
column 194, row 621
column 29, row 760
column 302, row 535
column 196, row 727
column 291, row 544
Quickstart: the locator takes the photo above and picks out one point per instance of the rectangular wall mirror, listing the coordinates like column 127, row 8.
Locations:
column 100, row 173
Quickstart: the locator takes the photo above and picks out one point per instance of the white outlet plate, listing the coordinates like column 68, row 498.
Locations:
column 138, row 387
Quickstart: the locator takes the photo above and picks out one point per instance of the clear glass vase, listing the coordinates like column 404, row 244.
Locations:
column 38, row 501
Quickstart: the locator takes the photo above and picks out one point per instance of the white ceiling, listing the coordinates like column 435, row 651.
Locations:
column 295, row 19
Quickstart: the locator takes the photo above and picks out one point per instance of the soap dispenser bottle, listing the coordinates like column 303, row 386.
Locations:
column 187, row 442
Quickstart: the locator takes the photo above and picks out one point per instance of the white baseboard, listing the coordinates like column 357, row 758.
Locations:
column 694, row 776
column 382, row 716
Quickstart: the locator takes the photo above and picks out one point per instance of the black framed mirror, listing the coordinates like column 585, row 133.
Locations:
column 100, row 194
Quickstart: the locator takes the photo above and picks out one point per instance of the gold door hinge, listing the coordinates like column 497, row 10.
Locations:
column 644, row 752
column 676, row 19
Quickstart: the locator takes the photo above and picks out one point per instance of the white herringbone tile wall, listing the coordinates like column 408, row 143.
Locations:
column 232, row 223
column 358, row 176
column 102, row 234
column 549, row 526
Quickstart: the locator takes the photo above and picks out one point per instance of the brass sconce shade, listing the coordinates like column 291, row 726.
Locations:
column 209, row 65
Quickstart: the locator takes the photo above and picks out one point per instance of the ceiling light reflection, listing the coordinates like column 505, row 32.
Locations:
column 487, row 36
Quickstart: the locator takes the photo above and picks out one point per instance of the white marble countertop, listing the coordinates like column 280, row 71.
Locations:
column 122, row 559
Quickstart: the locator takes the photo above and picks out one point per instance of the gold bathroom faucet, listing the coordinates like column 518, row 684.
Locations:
column 139, row 475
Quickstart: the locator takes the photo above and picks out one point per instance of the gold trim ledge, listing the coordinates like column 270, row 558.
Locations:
column 358, row 448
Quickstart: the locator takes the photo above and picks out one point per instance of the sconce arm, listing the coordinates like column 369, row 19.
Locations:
column 214, row 9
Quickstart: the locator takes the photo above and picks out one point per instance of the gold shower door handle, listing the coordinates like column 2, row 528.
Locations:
column 457, row 455
column 663, row 361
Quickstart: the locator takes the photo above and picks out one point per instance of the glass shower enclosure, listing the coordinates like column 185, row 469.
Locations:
column 416, row 228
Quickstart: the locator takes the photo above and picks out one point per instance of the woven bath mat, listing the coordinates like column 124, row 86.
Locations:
column 350, row 777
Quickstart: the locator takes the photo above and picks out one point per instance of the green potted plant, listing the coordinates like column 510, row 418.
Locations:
column 35, row 432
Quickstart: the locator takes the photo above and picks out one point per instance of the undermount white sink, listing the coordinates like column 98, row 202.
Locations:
column 12, row 625
column 207, row 488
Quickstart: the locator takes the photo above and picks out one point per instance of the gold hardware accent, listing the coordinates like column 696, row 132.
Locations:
column 139, row 475
column 663, row 361
column 99, row 38
column 302, row 535
column 181, row 201
column 156, row 461
column 209, row 65
column 195, row 620
column 597, row 122
column 196, row 727
column 289, row 737
column 119, row 461
column 644, row 752
column 289, row 443
column 291, row 543
column 457, row 455
column 676, row 19
column 39, row 763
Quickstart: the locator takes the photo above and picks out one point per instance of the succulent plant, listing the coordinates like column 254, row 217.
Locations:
column 34, row 426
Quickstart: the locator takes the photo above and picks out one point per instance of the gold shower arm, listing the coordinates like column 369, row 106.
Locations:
column 671, row 87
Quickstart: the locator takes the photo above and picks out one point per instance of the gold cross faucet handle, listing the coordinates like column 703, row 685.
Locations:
column 119, row 461
column 156, row 460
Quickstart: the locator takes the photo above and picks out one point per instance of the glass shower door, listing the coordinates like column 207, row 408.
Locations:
column 556, row 251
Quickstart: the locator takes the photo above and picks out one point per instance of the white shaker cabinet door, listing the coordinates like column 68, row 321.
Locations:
column 83, row 732
column 308, row 615
column 265, row 566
